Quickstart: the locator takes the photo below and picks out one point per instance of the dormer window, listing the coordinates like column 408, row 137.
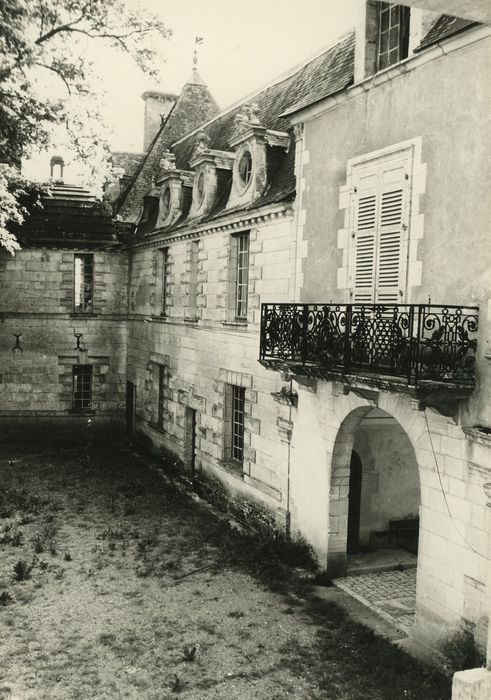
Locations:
column 245, row 169
column 393, row 34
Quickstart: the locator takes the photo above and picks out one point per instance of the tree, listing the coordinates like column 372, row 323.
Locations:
column 41, row 38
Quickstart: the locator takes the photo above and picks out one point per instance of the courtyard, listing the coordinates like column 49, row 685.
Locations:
column 115, row 584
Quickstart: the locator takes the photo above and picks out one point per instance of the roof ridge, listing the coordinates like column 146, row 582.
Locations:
column 276, row 81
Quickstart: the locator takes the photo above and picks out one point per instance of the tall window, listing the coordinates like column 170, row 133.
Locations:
column 164, row 280
column 84, row 282
column 241, row 274
column 393, row 34
column 193, row 279
column 162, row 378
column 238, row 397
column 82, row 387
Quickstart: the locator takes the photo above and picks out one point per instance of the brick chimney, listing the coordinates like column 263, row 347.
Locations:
column 157, row 107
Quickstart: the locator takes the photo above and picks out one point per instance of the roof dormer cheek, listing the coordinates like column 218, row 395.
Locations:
column 212, row 168
column 175, row 192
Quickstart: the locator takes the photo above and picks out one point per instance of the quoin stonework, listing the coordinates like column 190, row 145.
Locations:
column 292, row 296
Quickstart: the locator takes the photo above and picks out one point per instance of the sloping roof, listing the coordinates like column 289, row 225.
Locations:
column 70, row 216
column 443, row 28
column 128, row 161
column 323, row 75
column 194, row 106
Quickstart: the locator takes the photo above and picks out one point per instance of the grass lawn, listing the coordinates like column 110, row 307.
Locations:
column 115, row 585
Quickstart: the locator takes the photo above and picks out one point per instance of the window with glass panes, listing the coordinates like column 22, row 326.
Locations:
column 82, row 387
column 237, row 447
column 242, row 275
column 162, row 388
column 83, row 282
column 164, row 279
column 393, row 34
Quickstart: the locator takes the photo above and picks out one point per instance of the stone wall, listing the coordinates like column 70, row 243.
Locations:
column 205, row 354
column 453, row 465
column 41, row 338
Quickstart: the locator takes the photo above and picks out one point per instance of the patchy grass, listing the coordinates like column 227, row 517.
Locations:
column 143, row 592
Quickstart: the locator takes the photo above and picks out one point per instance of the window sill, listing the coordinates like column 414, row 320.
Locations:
column 232, row 467
column 82, row 411
column 83, row 314
column 237, row 323
column 191, row 320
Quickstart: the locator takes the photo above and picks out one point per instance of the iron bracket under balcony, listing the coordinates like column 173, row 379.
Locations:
column 423, row 349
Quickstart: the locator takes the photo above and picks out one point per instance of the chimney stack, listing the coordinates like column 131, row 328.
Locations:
column 157, row 107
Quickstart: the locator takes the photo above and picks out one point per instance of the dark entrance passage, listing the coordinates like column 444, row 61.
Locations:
column 354, row 504
column 130, row 408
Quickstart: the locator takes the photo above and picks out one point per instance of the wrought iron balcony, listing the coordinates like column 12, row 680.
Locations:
column 415, row 342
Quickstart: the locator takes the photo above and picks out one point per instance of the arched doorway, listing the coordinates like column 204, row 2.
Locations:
column 374, row 496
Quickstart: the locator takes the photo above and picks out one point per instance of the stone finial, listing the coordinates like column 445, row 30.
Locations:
column 168, row 161
column 201, row 143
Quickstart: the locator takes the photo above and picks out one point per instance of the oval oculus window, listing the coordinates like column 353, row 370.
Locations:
column 200, row 188
column 165, row 203
column 245, row 168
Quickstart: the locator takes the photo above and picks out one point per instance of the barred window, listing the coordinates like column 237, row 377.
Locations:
column 82, row 387
column 164, row 279
column 393, row 34
column 237, row 447
column 242, row 275
column 83, row 282
column 161, row 397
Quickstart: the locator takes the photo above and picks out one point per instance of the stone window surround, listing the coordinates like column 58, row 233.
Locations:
column 229, row 378
column 416, row 219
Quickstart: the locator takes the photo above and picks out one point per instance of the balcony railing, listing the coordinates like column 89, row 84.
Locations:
column 412, row 341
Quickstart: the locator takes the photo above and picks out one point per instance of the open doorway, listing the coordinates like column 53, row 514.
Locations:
column 377, row 499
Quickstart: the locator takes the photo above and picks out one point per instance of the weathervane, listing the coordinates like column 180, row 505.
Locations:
column 197, row 40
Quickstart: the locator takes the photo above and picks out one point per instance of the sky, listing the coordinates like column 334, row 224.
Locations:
column 246, row 45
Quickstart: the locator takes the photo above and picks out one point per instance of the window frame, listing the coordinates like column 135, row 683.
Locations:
column 234, row 425
column 83, row 283
column 161, row 398
column 241, row 264
column 401, row 47
column 80, row 403
column 164, row 281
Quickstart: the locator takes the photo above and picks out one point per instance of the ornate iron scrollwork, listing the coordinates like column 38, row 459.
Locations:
column 417, row 342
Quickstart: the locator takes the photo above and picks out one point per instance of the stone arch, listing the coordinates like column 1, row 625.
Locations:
column 340, row 479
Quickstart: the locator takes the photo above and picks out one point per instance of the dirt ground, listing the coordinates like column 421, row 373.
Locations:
column 115, row 585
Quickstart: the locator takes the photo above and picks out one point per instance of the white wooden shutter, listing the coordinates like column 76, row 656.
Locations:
column 380, row 218
column 365, row 233
column 389, row 267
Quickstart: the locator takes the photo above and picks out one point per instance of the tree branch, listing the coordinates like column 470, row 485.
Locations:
column 57, row 72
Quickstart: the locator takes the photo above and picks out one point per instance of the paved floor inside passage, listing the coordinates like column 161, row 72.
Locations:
column 390, row 594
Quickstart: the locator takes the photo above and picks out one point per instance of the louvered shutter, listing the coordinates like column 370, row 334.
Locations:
column 380, row 215
column 391, row 220
column 365, row 237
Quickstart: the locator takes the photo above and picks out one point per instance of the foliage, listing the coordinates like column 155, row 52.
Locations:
column 22, row 570
column 41, row 38
column 461, row 652
column 5, row 599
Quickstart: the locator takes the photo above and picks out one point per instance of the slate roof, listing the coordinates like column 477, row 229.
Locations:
column 323, row 75
column 194, row 106
column 444, row 27
column 128, row 161
column 70, row 217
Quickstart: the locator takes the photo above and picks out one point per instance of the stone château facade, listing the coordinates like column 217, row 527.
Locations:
column 305, row 228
